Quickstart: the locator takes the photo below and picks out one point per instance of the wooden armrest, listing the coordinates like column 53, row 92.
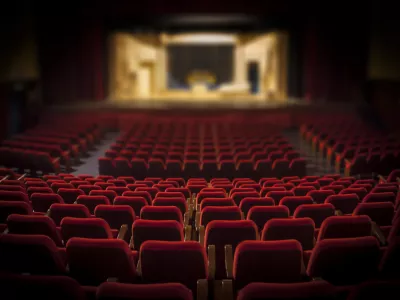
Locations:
column 317, row 279
column 338, row 212
column 398, row 179
column 139, row 268
column 347, row 162
column 197, row 206
column 47, row 214
column 22, row 176
column 54, row 160
column 6, row 231
column 201, row 235
column 227, row 289
column 112, row 279
column 122, row 232
column 5, row 178
column 186, row 218
column 382, row 179
column 377, row 232
column 202, row 289
column 211, row 261
column 197, row 220
column 131, row 244
column 188, row 233
column 229, row 261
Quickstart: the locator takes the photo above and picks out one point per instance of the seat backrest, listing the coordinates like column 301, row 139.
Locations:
column 33, row 254
column 271, row 261
column 380, row 197
column 94, row 228
column 312, row 290
column 345, row 261
column 292, row 202
column 317, row 212
column 161, row 230
column 59, row 211
column 345, row 203
column 34, row 224
column 262, row 214
column 301, row 230
column 381, row 213
column 390, row 264
column 41, row 202
column 115, row 215
column 212, row 213
column 40, row 287
column 161, row 213
column 70, row 195
column 345, row 227
column 93, row 261
column 92, row 201
column 181, row 203
column 164, row 262
column 161, row 291
column 13, row 207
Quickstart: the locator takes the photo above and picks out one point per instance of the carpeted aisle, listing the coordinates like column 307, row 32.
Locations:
column 90, row 165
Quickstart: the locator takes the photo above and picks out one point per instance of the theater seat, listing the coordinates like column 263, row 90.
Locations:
column 345, row 261
column 40, row 287
column 57, row 212
column 345, row 227
column 166, row 262
column 35, row 225
column 313, row 290
column 301, row 230
column 220, row 234
column 271, row 261
column 93, row 228
column 93, row 261
column 32, row 254
column 160, row 291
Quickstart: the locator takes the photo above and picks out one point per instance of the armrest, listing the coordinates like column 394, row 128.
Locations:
column 122, row 232
column 398, row 179
column 139, row 268
column 188, row 233
column 317, row 279
column 6, row 231
column 377, row 232
column 54, row 160
column 197, row 220
column 229, row 261
column 47, row 214
column 201, row 235
column 202, row 289
column 5, row 178
column 347, row 162
column 186, row 218
column 242, row 216
column 211, row 261
column 22, row 176
column 131, row 244
column 382, row 179
column 227, row 289
column 112, row 279
column 338, row 212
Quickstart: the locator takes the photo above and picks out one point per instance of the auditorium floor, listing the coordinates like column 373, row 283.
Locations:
column 90, row 165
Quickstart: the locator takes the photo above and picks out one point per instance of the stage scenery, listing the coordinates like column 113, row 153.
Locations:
column 211, row 67
column 149, row 151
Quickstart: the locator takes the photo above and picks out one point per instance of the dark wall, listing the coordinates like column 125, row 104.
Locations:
column 217, row 59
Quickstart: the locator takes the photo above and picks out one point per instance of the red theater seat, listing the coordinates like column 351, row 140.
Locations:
column 93, row 261
column 162, row 291
column 32, row 254
column 345, row 261
column 57, row 212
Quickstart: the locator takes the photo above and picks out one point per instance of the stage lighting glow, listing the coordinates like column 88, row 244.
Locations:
column 203, row 38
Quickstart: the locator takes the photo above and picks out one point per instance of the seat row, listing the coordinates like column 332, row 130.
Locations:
column 66, row 288
column 343, row 262
column 357, row 150
column 44, row 149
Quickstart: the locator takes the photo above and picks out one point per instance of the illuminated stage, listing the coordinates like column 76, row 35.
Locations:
column 198, row 69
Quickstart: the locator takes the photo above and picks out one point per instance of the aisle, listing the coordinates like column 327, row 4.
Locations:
column 90, row 165
column 315, row 166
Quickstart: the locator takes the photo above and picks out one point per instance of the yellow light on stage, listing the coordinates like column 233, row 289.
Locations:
column 200, row 38
column 201, row 77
